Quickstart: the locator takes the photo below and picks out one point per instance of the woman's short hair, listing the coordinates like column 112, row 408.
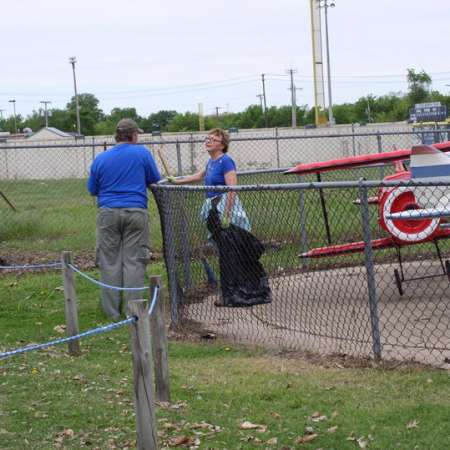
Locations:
column 223, row 135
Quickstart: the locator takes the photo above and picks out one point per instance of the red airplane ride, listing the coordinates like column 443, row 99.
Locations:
column 427, row 163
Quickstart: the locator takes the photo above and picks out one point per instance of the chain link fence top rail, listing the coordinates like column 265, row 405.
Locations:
column 391, row 302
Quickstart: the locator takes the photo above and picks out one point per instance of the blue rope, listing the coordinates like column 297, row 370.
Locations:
column 32, row 266
column 92, row 332
column 154, row 300
column 99, row 283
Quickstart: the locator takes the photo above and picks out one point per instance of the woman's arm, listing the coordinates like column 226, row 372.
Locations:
column 230, row 180
column 191, row 178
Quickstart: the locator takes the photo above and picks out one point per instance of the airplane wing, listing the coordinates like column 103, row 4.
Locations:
column 358, row 247
column 419, row 214
column 343, row 249
column 358, row 161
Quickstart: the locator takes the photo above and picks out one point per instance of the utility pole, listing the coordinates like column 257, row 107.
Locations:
column 1, row 113
column 264, row 98
column 324, row 4
column 45, row 102
column 217, row 110
column 14, row 109
column 73, row 60
column 369, row 119
column 293, row 102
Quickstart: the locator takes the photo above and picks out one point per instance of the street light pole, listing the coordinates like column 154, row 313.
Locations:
column 293, row 100
column 324, row 4
column 14, row 109
column 261, row 102
column 72, row 61
column 46, row 102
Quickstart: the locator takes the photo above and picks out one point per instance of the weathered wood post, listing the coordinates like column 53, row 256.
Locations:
column 143, row 376
column 159, row 344
column 70, row 303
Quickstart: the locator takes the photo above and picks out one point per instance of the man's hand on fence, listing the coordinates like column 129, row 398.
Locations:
column 170, row 179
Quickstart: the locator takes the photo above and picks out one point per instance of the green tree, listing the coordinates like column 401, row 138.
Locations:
column 252, row 117
column 418, row 86
column 184, row 122
column 159, row 120
column 90, row 113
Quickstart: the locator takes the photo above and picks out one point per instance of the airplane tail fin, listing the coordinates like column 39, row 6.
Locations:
column 429, row 162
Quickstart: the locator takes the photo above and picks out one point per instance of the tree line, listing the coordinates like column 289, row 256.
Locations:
column 391, row 107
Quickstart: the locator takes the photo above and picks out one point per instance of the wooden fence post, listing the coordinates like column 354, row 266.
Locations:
column 143, row 376
column 159, row 344
column 70, row 304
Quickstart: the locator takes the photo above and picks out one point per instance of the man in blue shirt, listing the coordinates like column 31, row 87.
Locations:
column 119, row 179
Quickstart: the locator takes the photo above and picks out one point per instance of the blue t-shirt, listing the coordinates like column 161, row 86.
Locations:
column 215, row 173
column 119, row 177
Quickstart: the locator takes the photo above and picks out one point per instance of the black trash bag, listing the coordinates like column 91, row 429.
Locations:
column 243, row 280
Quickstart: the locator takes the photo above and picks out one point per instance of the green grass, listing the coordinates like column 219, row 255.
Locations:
column 51, row 400
column 52, row 216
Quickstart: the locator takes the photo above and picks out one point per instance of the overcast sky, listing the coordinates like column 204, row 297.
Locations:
column 173, row 54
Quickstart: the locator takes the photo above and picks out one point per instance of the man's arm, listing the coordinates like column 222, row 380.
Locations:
column 92, row 184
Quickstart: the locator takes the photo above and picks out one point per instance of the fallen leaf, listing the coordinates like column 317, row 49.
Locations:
column 180, row 440
column 332, row 429
column 306, row 438
column 273, row 441
column 362, row 442
column 68, row 433
column 319, row 418
column 61, row 329
column 252, row 426
column 413, row 424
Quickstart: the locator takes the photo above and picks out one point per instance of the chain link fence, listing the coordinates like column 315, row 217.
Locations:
column 43, row 160
column 381, row 298
column 390, row 302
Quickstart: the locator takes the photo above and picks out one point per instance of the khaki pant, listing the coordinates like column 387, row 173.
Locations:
column 123, row 253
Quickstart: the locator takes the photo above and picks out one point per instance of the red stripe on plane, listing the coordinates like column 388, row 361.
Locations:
column 360, row 160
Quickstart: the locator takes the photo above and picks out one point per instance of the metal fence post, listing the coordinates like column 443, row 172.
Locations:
column 303, row 231
column 184, row 242
column 353, row 139
column 277, row 144
column 179, row 163
column 368, row 257
column 70, row 304
column 191, row 146
column 159, row 344
column 144, row 396
column 93, row 149
column 6, row 164
column 380, row 150
column 170, row 254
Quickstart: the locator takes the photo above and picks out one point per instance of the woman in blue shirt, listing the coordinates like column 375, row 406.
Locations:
column 220, row 170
